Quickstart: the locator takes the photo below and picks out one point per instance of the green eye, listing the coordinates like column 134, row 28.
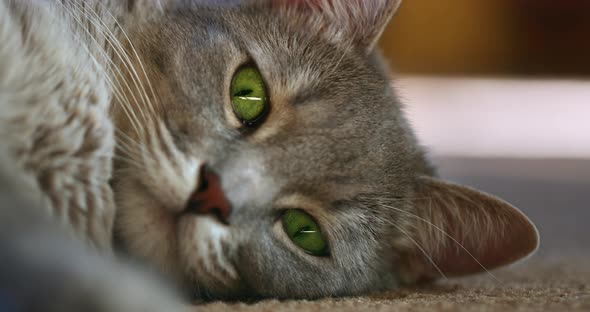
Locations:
column 248, row 94
column 304, row 232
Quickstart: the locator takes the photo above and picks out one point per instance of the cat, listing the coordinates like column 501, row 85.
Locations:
column 241, row 148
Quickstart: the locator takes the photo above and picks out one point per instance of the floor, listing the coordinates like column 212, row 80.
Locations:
column 556, row 196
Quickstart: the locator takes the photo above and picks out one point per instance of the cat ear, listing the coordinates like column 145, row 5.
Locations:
column 463, row 231
column 361, row 21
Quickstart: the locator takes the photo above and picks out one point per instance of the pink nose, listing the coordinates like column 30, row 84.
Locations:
column 209, row 197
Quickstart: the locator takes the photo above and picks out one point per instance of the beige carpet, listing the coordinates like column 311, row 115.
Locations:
column 554, row 193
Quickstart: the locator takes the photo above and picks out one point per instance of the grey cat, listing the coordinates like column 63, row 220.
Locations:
column 240, row 148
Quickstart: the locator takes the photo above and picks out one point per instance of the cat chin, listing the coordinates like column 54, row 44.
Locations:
column 192, row 249
column 205, row 248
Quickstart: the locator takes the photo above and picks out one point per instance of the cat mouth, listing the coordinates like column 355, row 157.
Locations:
column 205, row 248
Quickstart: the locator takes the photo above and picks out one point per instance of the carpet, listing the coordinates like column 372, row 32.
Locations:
column 555, row 194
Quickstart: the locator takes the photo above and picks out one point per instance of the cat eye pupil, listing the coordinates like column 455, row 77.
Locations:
column 304, row 232
column 249, row 96
column 306, row 229
column 243, row 93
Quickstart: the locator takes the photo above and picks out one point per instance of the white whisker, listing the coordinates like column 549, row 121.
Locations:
column 438, row 229
column 128, row 160
column 420, row 248
column 127, row 148
column 123, row 56
column 113, row 42
column 136, row 56
column 130, row 112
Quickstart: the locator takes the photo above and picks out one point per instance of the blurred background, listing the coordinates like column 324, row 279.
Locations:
column 499, row 92
column 491, row 37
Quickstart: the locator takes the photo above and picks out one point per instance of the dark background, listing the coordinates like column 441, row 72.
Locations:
column 491, row 37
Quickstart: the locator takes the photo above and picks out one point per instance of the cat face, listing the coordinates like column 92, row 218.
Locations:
column 284, row 112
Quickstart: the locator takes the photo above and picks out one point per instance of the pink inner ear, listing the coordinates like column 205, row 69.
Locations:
column 480, row 231
column 506, row 242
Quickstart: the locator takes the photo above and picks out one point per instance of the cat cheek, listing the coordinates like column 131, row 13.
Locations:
column 204, row 246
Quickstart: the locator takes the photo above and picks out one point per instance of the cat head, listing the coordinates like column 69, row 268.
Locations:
column 263, row 152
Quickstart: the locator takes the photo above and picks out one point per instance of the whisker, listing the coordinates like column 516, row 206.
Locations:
column 335, row 67
column 444, row 233
column 111, row 39
column 131, row 149
column 157, row 146
column 122, row 135
column 136, row 56
column 123, row 56
column 125, row 147
column 128, row 160
column 420, row 248
column 134, row 121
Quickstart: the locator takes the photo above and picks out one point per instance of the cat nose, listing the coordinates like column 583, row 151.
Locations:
column 209, row 198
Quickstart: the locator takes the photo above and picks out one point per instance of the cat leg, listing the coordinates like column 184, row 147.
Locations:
column 42, row 269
